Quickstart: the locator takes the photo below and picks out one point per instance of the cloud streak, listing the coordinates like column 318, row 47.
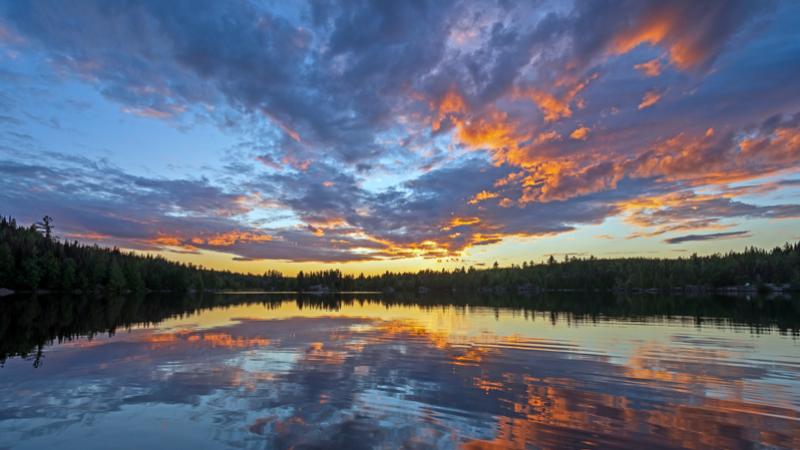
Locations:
column 707, row 237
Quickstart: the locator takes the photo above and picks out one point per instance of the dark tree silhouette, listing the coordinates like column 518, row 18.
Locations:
column 46, row 225
column 31, row 258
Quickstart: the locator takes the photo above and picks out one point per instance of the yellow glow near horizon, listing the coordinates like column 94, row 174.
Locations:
column 604, row 241
column 458, row 325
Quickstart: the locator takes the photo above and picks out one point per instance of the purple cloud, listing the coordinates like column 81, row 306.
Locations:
column 387, row 130
column 707, row 237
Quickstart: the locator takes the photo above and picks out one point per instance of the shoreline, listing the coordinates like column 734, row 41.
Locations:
column 692, row 291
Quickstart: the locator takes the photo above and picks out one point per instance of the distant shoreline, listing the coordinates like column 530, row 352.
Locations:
column 692, row 291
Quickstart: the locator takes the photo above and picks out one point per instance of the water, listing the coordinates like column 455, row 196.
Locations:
column 266, row 371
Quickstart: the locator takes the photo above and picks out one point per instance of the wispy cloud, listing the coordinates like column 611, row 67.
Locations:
column 707, row 237
column 651, row 97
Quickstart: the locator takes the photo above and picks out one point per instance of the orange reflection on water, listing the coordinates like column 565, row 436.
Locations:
column 661, row 395
column 557, row 414
column 213, row 340
column 557, row 410
column 547, row 392
column 228, row 341
column 317, row 353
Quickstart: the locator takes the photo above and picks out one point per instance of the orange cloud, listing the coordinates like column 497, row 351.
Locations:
column 493, row 131
column 483, row 195
column 683, row 157
column 654, row 211
column 89, row 236
column 651, row 30
column 650, row 68
column 580, row 133
column 218, row 239
column 451, row 103
column 325, row 222
column 548, row 136
column 781, row 146
column 319, row 232
column 555, row 108
column 461, row 221
column 490, row 129
column 706, row 160
column 650, row 98
column 232, row 237
column 509, row 179
column 691, row 211
column 562, row 180
column 506, row 203
column 171, row 241
column 665, row 25
column 552, row 107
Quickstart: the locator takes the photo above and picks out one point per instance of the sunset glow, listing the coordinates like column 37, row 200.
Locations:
column 402, row 135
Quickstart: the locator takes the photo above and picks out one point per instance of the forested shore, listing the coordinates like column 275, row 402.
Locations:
column 32, row 259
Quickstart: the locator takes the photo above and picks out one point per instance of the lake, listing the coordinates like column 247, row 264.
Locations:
column 257, row 371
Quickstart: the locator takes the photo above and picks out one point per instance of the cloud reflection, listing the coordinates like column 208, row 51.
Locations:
column 307, row 379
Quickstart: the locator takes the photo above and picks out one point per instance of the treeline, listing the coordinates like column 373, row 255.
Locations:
column 329, row 281
column 759, row 269
column 754, row 268
column 31, row 258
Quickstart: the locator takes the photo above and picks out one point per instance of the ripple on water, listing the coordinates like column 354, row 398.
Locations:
column 278, row 376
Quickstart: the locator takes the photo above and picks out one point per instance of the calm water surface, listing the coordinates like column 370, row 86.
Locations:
column 261, row 371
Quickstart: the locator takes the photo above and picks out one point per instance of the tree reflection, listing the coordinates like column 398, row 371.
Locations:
column 29, row 324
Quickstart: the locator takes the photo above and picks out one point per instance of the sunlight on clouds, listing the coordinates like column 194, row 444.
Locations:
column 580, row 133
column 650, row 68
column 462, row 130
column 650, row 98
column 483, row 195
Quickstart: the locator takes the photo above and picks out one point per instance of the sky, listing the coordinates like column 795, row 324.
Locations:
column 373, row 136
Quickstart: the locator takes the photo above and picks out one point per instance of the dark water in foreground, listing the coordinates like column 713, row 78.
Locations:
column 260, row 371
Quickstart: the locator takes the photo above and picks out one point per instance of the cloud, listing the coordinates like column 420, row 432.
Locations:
column 650, row 68
column 162, row 60
column 716, row 159
column 682, row 211
column 483, row 195
column 651, row 97
column 553, row 107
column 101, row 203
column 580, row 133
column 693, row 34
column 387, row 130
column 707, row 237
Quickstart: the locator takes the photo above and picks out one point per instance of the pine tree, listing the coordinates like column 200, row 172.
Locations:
column 6, row 265
column 116, row 279
column 69, row 275
column 31, row 275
